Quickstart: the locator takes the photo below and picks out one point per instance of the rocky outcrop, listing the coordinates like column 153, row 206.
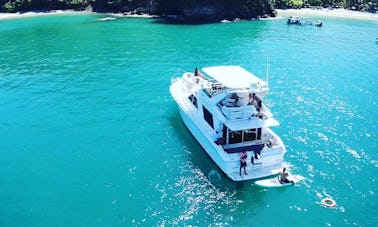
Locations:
column 199, row 12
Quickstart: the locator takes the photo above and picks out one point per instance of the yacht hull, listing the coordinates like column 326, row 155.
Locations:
column 229, row 163
column 202, row 107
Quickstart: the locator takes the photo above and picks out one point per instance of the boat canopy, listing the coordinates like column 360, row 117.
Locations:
column 250, row 124
column 234, row 77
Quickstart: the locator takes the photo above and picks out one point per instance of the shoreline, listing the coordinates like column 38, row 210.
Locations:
column 324, row 12
column 4, row 16
column 305, row 12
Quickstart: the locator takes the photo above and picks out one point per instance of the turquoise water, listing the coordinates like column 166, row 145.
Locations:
column 89, row 135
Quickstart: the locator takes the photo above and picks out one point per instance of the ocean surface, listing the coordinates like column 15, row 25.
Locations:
column 90, row 136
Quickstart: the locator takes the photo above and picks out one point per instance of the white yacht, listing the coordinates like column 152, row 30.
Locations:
column 223, row 109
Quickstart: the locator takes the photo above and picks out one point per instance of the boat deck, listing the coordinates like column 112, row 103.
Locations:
column 255, row 173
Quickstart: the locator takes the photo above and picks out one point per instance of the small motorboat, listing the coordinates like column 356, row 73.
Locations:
column 318, row 23
column 302, row 21
column 294, row 20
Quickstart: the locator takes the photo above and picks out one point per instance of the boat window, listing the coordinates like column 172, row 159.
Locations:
column 225, row 134
column 235, row 137
column 258, row 134
column 250, row 135
column 208, row 117
column 193, row 99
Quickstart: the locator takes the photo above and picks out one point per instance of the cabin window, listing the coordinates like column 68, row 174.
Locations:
column 193, row 99
column 235, row 137
column 247, row 135
column 225, row 134
column 250, row 135
column 258, row 134
column 208, row 117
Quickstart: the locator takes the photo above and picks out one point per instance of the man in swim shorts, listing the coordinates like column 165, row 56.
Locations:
column 283, row 177
column 243, row 162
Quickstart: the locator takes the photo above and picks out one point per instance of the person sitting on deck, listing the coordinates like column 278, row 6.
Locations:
column 284, row 177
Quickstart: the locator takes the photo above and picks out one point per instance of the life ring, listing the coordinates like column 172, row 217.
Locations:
column 328, row 202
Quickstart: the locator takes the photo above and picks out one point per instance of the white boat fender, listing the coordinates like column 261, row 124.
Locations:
column 328, row 202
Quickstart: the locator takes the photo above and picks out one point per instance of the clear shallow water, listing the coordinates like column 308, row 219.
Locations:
column 89, row 135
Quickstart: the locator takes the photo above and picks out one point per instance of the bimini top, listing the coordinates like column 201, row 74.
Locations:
column 234, row 77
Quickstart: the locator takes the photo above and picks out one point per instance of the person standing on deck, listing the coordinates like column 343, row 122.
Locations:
column 243, row 161
column 251, row 98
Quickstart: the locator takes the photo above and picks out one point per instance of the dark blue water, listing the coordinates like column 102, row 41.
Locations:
column 89, row 135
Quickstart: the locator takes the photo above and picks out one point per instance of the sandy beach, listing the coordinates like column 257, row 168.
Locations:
column 67, row 12
column 340, row 13
column 33, row 14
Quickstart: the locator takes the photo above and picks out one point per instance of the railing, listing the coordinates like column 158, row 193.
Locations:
column 258, row 87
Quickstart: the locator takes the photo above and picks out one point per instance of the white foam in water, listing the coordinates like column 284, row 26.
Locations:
column 374, row 162
column 353, row 152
